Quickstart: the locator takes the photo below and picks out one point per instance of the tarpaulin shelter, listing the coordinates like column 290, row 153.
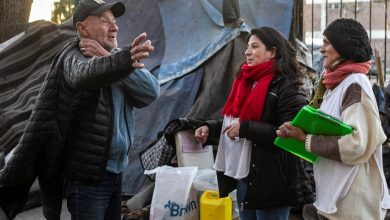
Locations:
column 195, row 59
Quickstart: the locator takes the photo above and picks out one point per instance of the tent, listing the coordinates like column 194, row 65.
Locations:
column 198, row 46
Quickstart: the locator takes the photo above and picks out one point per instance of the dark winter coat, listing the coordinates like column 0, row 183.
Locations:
column 69, row 131
column 273, row 175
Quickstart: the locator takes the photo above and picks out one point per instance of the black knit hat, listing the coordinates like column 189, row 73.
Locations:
column 350, row 39
column 96, row 7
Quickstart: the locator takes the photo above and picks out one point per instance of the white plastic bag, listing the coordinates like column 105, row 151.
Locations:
column 174, row 197
column 206, row 179
column 190, row 152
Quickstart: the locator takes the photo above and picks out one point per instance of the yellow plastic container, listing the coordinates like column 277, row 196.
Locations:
column 214, row 208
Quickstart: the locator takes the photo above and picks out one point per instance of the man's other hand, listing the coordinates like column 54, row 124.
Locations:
column 91, row 48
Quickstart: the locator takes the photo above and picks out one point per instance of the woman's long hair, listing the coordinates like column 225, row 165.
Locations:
column 286, row 55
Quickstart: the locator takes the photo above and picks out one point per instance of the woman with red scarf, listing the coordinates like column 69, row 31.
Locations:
column 349, row 177
column 265, row 93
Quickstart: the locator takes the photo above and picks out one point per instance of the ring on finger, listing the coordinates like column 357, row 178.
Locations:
column 284, row 131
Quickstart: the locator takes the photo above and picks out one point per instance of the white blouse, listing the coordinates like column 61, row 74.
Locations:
column 233, row 156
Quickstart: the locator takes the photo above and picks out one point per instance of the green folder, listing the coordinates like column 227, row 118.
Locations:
column 312, row 121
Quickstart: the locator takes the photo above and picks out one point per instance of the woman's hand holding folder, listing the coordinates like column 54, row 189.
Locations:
column 288, row 130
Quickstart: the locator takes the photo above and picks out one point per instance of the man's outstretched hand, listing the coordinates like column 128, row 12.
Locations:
column 140, row 49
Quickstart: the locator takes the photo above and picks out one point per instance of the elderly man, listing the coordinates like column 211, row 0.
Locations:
column 82, row 126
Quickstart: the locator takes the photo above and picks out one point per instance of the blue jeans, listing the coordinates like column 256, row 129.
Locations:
column 98, row 202
column 278, row 213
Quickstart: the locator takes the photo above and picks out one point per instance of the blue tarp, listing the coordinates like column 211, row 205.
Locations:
column 185, row 35
column 194, row 30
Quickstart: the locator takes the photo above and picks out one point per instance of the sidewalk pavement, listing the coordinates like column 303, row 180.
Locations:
column 36, row 213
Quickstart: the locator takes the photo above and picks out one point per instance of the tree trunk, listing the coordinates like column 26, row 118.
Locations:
column 14, row 15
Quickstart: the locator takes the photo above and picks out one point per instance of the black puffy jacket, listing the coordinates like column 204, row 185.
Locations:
column 70, row 128
column 91, row 125
column 72, row 116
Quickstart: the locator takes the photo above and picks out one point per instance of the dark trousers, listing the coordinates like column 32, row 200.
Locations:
column 52, row 191
column 278, row 213
column 98, row 202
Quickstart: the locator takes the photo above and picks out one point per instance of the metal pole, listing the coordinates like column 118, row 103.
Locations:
column 385, row 39
column 326, row 13
column 312, row 31
column 370, row 18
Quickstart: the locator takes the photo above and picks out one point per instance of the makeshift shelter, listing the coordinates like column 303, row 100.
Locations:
column 199, row 44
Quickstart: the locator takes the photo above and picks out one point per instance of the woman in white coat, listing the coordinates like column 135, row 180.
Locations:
column 349, row 178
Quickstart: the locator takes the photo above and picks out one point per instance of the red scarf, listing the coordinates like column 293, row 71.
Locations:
column 245, row 102
column 333, row 78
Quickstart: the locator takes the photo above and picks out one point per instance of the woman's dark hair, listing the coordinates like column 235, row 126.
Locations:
column 286, row 55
